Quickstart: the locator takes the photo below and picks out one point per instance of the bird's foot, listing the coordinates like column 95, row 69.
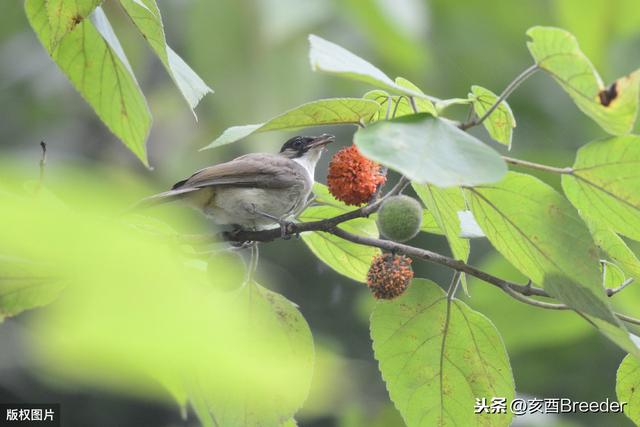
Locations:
column 286, row 229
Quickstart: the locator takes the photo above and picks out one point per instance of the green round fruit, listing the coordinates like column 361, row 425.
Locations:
column 399, row 218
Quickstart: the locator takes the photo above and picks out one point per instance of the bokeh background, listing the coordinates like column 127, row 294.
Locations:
column 253, row 53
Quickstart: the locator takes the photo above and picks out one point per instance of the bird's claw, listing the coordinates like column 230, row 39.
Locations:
column 286, row 229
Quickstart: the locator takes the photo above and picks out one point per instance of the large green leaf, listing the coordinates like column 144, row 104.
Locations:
column 614, row 108
column 605, row 183
column 25, row 285
column 64, row 15
column 347, row 258
column 429, row 150
column 540, row 233
column 438, row 357
column 137, row 316
column 270, row 315
column 146, row 16
column 321, row 112
column 93, row 60
column 501, row 122
column 628, row 387
column 333, row 59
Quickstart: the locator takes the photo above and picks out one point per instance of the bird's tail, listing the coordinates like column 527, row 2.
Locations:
column 161, row 198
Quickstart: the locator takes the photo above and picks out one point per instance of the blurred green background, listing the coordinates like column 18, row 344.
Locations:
column 253, row 53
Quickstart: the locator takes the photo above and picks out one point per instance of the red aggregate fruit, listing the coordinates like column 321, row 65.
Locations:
column 353, row 178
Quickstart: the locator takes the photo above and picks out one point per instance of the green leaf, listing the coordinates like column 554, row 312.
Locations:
column 437, row 358
column 290, row 343
column 605, row 183
column 614, row 108
column 146, row 16
column 25, row 285
column 64, row 15
column 94, row 62
column 444, row 204
column 333, row 59
column 423, row 105
column 324, row 197
column 429, row 223
column 539, row 232
column 501, row 122
column 628, row 387
column 136, row 315
column 321, row 112
column 347, row 258
column 399, row 105
column 615, row 249
column 430, row 151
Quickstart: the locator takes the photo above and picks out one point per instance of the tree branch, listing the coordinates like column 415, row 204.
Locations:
column 538, row 166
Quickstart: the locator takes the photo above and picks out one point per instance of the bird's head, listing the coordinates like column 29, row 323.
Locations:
column 306, row 147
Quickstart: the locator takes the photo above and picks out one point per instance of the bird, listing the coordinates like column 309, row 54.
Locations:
column 256, row 191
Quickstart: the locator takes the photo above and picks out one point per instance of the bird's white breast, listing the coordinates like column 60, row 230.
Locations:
column 309, row 162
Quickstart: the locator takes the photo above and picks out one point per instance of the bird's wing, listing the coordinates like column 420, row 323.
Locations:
column 256, row 170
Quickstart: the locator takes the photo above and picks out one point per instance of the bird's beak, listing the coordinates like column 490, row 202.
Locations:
column 322, row 140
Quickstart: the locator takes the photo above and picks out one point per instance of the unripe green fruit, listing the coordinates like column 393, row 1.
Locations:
column 399, row 218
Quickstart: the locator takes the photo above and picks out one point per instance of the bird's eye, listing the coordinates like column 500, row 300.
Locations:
column 297, row 143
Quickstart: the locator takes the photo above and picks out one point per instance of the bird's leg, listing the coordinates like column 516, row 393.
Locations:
column 253, row 262
column 283, row 223
column 234, row 233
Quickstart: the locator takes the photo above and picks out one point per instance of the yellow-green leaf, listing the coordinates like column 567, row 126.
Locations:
column 628, row 387
column 438, row 357
column 444, row 204
column 501, row 122
column 25, row 285
column 321, row 112
column 605, row 183
column 539, row 232
column 64, row 15
column 614, row 107
column 347, row 258
column 93, row 60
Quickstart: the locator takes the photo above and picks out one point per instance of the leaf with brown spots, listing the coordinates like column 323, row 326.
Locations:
column 65, row 15
column 438, row 356
column 613, row 107
column 92, row 58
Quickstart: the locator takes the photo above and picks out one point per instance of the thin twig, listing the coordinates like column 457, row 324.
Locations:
column 453, row 287
column 389, row 102
column 627, row 319
column 503, row 96
column 612, row 291
column 395, row 109
column 412, row 101
column 538, row 166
